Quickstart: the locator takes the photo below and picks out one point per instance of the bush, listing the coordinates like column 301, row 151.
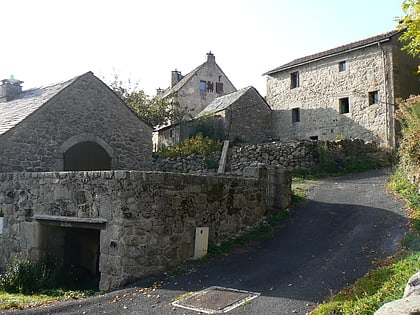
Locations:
column 24, row 276
column 199, row 144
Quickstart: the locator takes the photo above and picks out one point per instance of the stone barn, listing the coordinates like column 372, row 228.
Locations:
column 79, row 124
column 76, row 125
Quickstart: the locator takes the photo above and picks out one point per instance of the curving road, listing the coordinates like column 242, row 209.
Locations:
column 347, row 224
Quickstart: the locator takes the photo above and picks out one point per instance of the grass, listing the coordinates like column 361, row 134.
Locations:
column 21, row 301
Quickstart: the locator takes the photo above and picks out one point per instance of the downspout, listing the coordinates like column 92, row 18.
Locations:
column 387, row 109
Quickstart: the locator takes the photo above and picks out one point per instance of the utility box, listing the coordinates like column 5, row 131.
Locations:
column 201, row 242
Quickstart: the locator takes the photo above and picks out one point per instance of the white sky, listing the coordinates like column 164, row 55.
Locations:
column 46, row 41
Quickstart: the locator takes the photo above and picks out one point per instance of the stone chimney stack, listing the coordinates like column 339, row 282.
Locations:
column 211, row 57
column 10, row 89
column 176, row 76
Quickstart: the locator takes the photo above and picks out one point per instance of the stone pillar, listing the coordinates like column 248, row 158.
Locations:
column 279, row 189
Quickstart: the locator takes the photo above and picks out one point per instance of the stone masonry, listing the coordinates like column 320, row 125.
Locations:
column 147, row 220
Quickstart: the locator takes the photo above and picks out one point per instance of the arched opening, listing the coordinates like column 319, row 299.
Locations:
column 86, row 156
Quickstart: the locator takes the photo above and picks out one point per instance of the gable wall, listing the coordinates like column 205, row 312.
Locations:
column 321, row 87
column 248, row 119
column 190, row 95
column 87, row 107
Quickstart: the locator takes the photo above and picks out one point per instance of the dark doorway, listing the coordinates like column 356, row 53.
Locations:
column 81, row 257
column 86, row 156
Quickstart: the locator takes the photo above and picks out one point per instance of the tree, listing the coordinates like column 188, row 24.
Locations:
column 155, row 111
column 410, row 23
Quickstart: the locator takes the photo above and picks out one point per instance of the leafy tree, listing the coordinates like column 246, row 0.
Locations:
column 155, row 111
column 410, row 23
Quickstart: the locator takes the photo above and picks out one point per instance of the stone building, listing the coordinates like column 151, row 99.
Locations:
column 227, row 117
column 79, row 124
column 349, row 91
column 198, row 88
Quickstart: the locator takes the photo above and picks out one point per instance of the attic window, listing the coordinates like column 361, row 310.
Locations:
column 294, row 80
column 373, row 97
column 344, row 105
column 219, row 87
column 295, row 115
column 210, row 86
column 203, row 85
column 342, row 66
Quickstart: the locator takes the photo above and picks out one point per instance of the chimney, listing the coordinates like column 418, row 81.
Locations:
column 176, row 76
column 10, row 89
column 211, row 57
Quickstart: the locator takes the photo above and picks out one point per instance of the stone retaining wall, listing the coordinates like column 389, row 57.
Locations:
column 147, row 220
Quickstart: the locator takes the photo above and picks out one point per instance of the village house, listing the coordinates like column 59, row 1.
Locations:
column 198, row 88
column 227, row 118
column 79, row 124
column 349, row 91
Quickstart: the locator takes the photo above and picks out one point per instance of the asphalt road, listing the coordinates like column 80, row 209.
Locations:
column 347, row 224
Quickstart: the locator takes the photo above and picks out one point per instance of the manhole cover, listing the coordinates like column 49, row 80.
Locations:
column 215, row 300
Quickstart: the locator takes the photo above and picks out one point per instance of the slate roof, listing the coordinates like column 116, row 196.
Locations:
column 335, row 51
column 15, row 111
column 223, row 102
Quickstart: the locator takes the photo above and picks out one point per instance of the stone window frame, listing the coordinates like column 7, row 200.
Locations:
column 373, row 97
column 344, row 105
column 294, row 80
column 295, row 115
column 82, row 137
column 342, row 66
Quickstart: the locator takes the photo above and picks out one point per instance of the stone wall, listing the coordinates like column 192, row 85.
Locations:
column 287, row 155
column 147, row 220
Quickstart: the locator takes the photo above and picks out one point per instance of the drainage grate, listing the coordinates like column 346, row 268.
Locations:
column 215, row 300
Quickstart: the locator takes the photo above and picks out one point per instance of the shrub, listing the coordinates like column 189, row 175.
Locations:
column 24, row 276
column 199, row 144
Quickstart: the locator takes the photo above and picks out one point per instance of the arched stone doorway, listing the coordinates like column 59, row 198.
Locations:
column 86, row 156
column 84, row 152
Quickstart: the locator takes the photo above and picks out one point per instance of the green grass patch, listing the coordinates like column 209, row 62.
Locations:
column 21, row 301
column 372, row 291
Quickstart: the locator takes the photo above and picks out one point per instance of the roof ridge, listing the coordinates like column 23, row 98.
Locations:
column 338, row 49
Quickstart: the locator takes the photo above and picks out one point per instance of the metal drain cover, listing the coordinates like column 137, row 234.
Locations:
column 215, row 300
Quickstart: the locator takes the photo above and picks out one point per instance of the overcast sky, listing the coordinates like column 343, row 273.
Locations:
column 43, row 41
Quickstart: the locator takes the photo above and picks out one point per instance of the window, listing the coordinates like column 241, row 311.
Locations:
column 210, row 86
column 344, row 105
column 342, row 66
column 203, row 85
column 295, row 115
column 219, row 87
column 294, row 80
column 373, row 97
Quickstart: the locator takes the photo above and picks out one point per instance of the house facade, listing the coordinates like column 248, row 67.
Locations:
column 349, row 91
column 198, row 88
column 79, row 124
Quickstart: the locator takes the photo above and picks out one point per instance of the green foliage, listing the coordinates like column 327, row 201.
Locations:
column 209, row 126
column 198, row 144
column 336, row 159
column 25, row 276
column 155, row 111
column 372, row 291
column 409, row 191
column 410, row 23
column 408, row 115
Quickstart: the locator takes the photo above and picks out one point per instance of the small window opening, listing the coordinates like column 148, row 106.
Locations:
column 219, row 87
column 295, row 115
column 344, row 105
column 373, row 97
column 313, row 137
column 210, row 86
column 342, row 66
column 203, row 85
column 294, row 80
